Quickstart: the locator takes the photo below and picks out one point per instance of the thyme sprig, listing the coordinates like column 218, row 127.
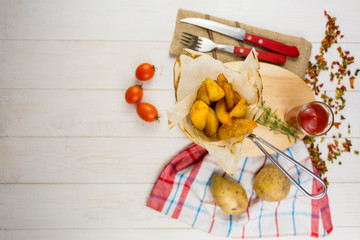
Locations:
column 274, row 123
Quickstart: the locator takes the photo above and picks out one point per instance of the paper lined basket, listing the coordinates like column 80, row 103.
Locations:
column 189, row 72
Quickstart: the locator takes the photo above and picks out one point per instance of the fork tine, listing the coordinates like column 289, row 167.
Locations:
column 190, row 41
column 186, row 44
column 186, row 41
column 191, row 46
column 190, row 35
column 188, row 38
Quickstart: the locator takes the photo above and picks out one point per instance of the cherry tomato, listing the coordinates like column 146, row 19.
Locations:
column 134, row 94
column 145, row 71
column 147, row 112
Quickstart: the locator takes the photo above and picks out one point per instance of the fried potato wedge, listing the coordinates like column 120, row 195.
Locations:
column 240, row 109
column 229, row 92
column 212, row 123
column 229, row 96
column 236, row 97
column 221, row 112
column 238, row 127
column 215, row 92
column 203, row 95
column 198, row 114
column 221, row 79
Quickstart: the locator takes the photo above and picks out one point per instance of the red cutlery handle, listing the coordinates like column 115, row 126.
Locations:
column 262, row 55
column 275, row 46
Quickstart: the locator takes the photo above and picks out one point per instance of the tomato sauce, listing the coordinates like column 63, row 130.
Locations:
column 314, row 119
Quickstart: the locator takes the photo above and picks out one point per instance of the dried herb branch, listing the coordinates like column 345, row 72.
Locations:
column 274, row 123
column 337, row 103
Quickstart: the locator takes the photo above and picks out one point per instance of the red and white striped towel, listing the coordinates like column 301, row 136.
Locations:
column 182, row 192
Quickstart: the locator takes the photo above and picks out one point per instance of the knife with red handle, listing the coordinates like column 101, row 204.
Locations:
column 242, row 35
column 279, row 47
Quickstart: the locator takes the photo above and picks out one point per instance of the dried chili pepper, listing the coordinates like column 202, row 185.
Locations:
column 338, row 71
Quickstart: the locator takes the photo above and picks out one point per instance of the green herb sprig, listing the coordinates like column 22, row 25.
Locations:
column 274, row 123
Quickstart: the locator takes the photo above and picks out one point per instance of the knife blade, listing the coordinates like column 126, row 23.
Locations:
column 242, row 35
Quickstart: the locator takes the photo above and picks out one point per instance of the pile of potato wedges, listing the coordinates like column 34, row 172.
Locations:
column 219, row 111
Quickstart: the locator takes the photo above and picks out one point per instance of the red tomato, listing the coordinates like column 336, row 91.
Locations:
column 145, row 71
column 147, row 112
column 134, row 94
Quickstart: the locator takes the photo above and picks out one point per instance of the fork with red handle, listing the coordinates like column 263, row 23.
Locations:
column 202, row 44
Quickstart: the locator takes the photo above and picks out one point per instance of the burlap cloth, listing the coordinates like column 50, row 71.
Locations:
column 297, row 65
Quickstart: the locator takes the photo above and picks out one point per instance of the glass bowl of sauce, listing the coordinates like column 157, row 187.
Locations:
column 313, row 119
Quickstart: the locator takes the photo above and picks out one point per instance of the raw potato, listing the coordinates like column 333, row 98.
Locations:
column 271, row 184
column 198, row 114
column 238, row 127
column 214, row 91
column 221, row 112
column 240, row 109
column 203, row 95
column 228, row 194
column 212, row 123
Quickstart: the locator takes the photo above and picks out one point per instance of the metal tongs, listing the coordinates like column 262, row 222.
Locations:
column 256, row 139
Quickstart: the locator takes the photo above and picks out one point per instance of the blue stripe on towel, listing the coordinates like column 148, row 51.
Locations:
column 230, row 219
column 197, row 213
column 177, row 189
column 297, row 190
column 242, row 170
column 261, row 210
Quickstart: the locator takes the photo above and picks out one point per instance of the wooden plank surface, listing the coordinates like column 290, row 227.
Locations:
column 100, row 64
column 105, row 160
column 76, row 162
column 28, row 112
column 98, row 206
column 115, row 234
column 85, row 160
column 139, row 20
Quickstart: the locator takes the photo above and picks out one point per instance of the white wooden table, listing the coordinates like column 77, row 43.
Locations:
column 75, row 160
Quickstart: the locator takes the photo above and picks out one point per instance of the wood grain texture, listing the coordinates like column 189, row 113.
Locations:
column 76, row 162
column 82, row 64
column 105, row 160
column 139, row 20
column 102, row 64
column 80, row 113
column 111, row 234
column 103, row 206
column 116, row 234
column 85, row 113
column 85, row 160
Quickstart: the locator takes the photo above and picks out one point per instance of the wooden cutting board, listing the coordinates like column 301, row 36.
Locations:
column 282, row 89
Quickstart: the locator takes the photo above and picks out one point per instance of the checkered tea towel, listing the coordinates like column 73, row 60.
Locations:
column 182, row 192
